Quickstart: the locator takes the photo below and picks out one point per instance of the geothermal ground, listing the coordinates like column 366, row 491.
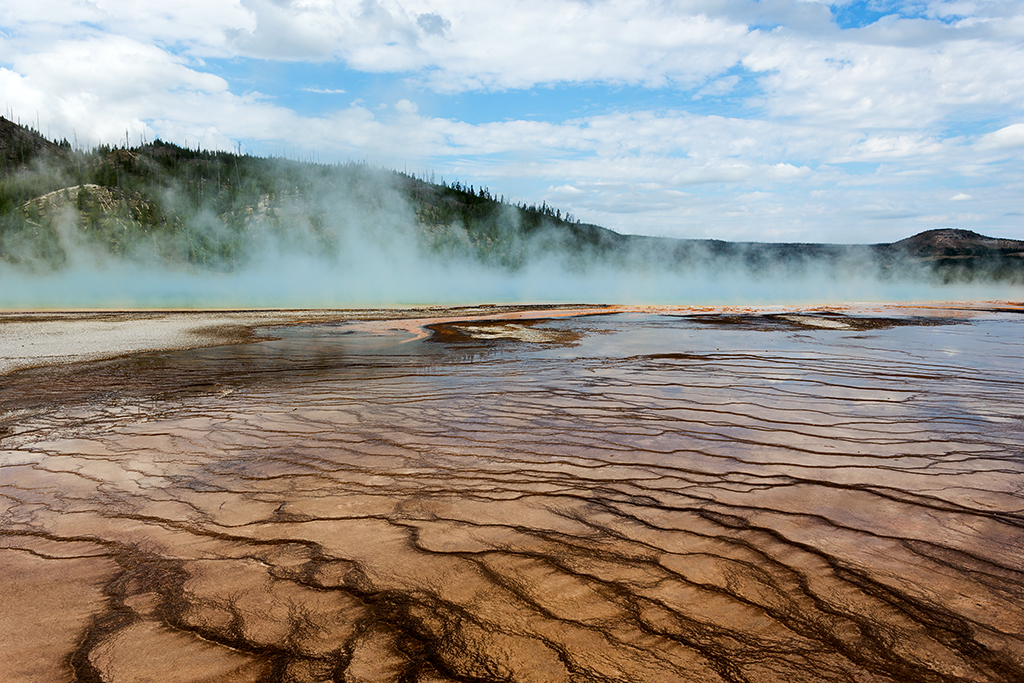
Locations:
column 591, row 495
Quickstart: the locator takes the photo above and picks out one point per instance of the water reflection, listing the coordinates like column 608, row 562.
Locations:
column 619, row 497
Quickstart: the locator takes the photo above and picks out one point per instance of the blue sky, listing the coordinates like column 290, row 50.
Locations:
column 773, row 120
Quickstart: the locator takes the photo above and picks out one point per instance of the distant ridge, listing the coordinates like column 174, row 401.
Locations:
column 955, row 243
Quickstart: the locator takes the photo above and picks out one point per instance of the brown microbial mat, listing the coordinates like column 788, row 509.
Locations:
column 632, row 496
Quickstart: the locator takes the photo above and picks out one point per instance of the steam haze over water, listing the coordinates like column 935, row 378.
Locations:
column 381, row 279
column 174, row 228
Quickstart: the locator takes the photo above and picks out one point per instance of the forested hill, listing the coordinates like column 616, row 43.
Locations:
column 221, row 211
column 210, row 209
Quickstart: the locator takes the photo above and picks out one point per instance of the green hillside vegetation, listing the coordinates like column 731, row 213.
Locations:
column 216, row 209
column 221, row 211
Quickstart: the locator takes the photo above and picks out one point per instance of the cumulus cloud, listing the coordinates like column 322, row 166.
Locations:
column 433, row 24
column 197, row 26
column 1009, row 137
column 887, row 86
column 100, row 86
column 405, row 107
column 464, row 45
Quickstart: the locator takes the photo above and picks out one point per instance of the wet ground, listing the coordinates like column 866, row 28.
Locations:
column 624, row 497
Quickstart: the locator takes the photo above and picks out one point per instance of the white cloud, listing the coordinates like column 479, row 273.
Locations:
column 114, row 68
column 883, row 75
column 1009, row 137
column 719, row 87
column 20, row 93
column 889, row 147
column 100, row 87
column 519, row 44
column 405, row 107
column 960, row 197
column 196, row 25
column 302, row 30
column 824, row 99
column 882, row 86
column 787, row 172
column 95, row 89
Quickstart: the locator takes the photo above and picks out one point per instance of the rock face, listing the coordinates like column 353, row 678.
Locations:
column 796, row 497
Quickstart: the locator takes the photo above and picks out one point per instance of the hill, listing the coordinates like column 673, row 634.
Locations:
column 20, row 145
column 219, row 211
column 955, row 255
column 957, row 244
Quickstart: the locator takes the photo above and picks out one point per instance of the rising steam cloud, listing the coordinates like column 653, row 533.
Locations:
column 311, row 241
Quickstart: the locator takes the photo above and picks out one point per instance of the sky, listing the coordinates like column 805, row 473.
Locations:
column 779, row 120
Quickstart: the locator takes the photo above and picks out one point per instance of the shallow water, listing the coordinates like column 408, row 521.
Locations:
column 623, row 497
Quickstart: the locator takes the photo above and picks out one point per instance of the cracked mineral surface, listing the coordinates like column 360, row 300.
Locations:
column 743, row 497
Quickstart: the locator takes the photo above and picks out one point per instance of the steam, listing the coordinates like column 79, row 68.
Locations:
column 310, row 243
